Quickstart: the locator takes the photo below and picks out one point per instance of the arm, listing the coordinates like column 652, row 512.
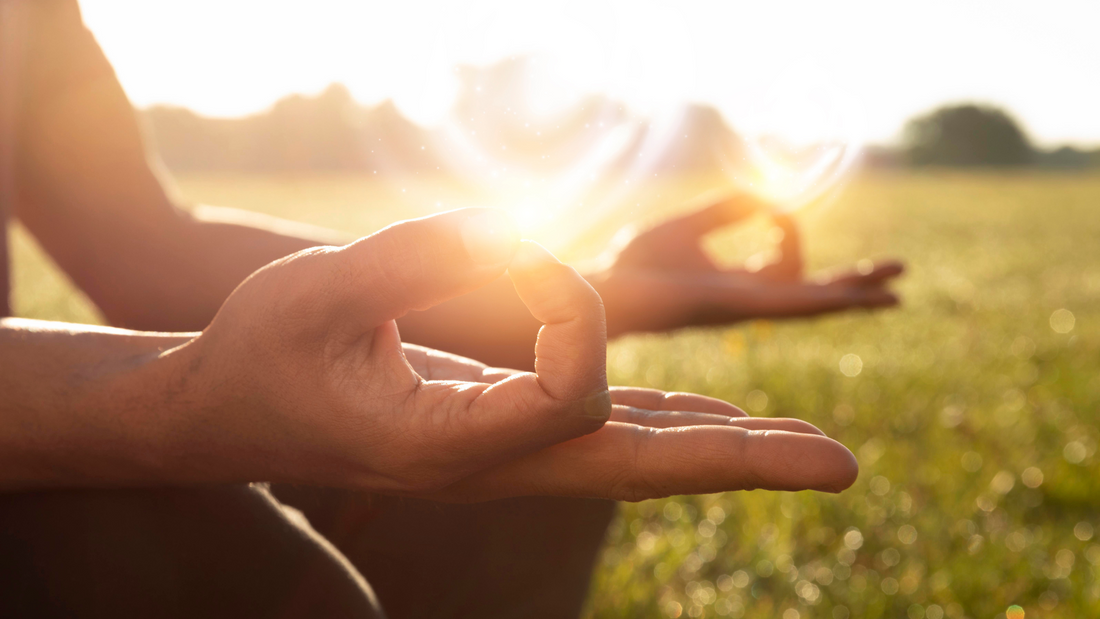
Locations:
column 98, row 208
column 302, row 378
column 82, row 405
column 92, row 199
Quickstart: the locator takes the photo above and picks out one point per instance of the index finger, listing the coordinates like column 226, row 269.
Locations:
column 717, row 213
column 879, row 273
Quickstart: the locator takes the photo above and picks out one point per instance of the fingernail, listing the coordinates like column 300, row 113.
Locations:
column 530, row 254
column 490, row 237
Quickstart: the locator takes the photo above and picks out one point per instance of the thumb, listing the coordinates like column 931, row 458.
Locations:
column 568, row 395
column 415, row 264
column 790, row 265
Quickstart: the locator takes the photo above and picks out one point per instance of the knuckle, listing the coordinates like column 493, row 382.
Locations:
column 748, row 448
column 396, row 259
column 570, row 297
column 632, row 480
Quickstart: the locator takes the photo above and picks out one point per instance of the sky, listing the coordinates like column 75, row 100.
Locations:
column 860, row 67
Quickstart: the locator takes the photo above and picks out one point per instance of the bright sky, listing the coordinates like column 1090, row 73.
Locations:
column 889, row 59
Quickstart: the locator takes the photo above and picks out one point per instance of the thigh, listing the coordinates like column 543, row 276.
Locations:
column 524, row 557
column 212, row 552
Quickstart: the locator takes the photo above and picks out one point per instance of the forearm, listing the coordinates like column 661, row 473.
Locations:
column 192, row 274
column 86, row 406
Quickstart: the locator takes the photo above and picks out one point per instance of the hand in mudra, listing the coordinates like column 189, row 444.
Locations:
column 662, row 278
column 302, row 378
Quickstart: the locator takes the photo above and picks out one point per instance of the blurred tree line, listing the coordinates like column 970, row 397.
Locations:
column 333, row 132
column 328, row 132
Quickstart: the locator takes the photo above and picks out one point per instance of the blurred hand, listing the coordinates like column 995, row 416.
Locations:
column 302, row 378
column 662, row 278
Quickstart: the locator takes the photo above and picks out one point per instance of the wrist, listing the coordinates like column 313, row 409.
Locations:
column 83, row 406
column 146, row 405
column 188, row 408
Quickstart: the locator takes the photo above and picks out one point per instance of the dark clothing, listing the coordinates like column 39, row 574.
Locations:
column 234, row 551
column 217, row 552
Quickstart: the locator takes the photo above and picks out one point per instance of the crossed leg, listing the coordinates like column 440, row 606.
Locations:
column 526, row 557
column 211, row 552
column 233, row 551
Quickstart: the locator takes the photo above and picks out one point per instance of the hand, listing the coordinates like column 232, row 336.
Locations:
column 645, row 450
column 302, row 378
column 662, row 278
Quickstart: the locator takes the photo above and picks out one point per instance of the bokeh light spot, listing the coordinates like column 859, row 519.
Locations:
column 1062, row 321
column 756, row 400
column 1032, row 477
column 1083, row 531
column 907, row 533
column 851, row 365
column 971, row 461
column 1075, row 452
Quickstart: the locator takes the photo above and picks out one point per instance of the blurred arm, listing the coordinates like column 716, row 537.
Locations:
column 96, row 204
column 99, row 209
column 89, row 195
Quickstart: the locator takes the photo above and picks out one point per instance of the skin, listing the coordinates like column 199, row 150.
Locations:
column 95, row 203
column 661, row 279
column 302, row 377
column 222, row 381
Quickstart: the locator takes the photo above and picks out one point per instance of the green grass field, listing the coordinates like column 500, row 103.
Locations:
column 975, row 412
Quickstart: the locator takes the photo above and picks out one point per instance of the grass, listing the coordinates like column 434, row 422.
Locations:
column 974, row 412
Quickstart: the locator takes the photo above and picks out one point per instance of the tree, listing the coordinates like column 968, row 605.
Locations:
column 967, row 135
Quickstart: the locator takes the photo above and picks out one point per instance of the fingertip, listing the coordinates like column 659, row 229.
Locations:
column 892, row 265
column 530, row 255
column 596, row 408
column 883, row 299
column 783, row 220
column 784, row 460
column 746, row 204
column 846, row 469
column 884, row 270
column 490, row 236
